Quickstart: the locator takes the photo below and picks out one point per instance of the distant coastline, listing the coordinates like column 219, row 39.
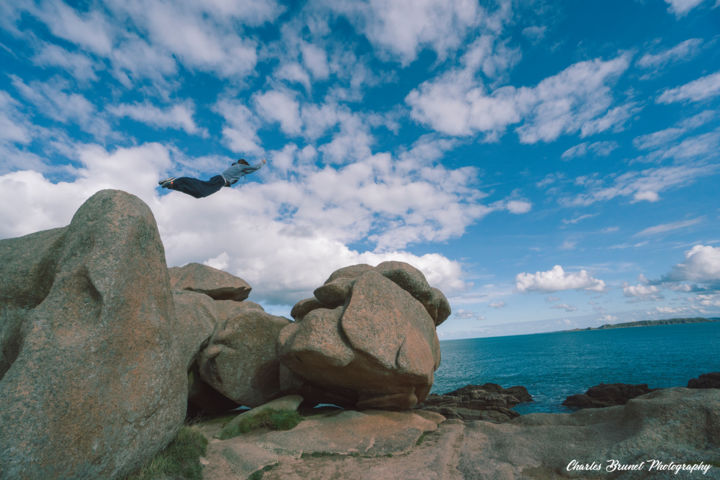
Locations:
column 648, row 323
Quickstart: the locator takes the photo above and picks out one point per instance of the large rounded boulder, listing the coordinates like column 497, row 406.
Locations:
column 91, row 384
column 240, row 360
column 367, row 339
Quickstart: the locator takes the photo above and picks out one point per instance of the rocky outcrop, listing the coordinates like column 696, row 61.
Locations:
column 210, row 281
column 706, row 380
column 103, row 348
column 606, row 395
column 92, row 380
column 672, row 425
column 340, row 434
column 488, row 402
column 228, row 345
column 367, row 339
column 240, row 360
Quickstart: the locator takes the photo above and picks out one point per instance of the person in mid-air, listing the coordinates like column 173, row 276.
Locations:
column 203, row 188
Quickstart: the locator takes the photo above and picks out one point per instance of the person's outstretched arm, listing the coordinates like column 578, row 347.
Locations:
column 237, row 170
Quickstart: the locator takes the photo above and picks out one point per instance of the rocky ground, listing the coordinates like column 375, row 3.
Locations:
column 674, row 426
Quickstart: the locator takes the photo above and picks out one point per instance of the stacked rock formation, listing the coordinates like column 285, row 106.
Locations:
column 235, row 363
column 99, row 338
column 367, row 338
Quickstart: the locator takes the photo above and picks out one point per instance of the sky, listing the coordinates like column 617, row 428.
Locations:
column 547, row 164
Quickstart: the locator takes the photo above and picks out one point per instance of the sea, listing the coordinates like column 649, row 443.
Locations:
column 553, row 366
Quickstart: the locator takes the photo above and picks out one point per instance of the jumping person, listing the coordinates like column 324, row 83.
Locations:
column 202, row 188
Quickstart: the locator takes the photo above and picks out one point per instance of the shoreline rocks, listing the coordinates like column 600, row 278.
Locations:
column 606, row 395
column 672, row 425
column 489, row 402
column 706, row 380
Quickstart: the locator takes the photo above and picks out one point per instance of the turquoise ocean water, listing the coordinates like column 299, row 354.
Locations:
column 554, row 365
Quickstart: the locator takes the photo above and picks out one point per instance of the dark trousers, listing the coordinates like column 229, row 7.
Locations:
column 198, row 188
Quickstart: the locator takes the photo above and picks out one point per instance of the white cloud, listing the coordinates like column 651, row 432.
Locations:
column 708, row 300
column 177, row 116
column 564, row 306
column 240, row 131
column 78, row 65
column 134, row 59
column 294, row 72
column 695, row 91
column 315, row 60
column 281, row 107
column 644, row 185
column 91, row 31
column 681, row 7
column 601, row 149
column 702, row 264
column 401, row 28
column 499, row 304
column 682, row 51
column 667, row 310
column 668, row 227
column 29, row 202
column 518, row 206
column 51, row 98
column 656, row 139
column 534, row 33
column 14, row 127
column 557, row 279
column 578, row 99
column 573, row 221
column 641, row 290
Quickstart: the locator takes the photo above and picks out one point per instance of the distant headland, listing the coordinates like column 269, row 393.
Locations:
column 648, row 323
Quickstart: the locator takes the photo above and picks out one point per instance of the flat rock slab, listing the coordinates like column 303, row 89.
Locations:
column 210, row 281
column 345, row 433
column 671, row 425
column 435, row 458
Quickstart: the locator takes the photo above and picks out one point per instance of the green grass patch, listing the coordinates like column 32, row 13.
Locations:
column 260, row 473
column 179, row 460
column 271, row 419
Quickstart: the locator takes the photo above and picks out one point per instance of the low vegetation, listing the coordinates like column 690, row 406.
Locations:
column 179, row 460
column 270, row 419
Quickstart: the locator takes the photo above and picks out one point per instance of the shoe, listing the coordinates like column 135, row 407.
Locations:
column 166, row 182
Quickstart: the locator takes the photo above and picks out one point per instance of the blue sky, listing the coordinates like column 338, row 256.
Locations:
column 548, row 165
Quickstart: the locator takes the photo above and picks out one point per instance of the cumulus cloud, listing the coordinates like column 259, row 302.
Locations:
column 641, row 290
column 702, row 265
column 556, row 280
column 701, row 89
column 281, row 107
